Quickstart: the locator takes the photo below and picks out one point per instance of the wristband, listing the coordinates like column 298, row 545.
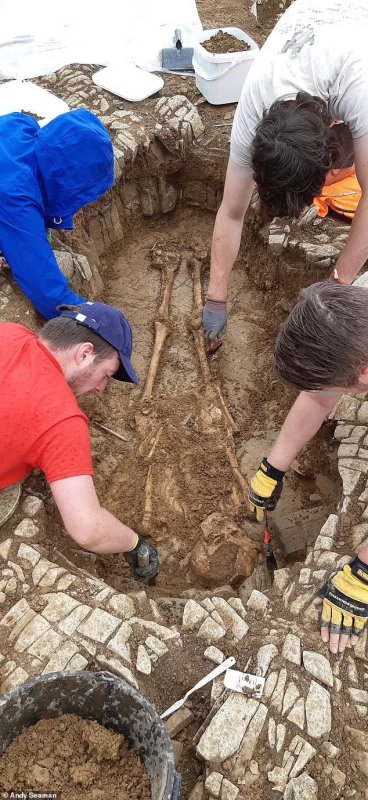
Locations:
column 270, row 471
column 359, row 570
column 216, row 305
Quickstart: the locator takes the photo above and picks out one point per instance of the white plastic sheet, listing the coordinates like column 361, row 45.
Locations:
column 38, row 37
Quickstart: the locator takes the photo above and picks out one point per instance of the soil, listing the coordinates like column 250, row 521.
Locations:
column 74, row 756
column 224, row 42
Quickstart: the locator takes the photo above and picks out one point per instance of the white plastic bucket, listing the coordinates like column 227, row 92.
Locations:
column 220, row 76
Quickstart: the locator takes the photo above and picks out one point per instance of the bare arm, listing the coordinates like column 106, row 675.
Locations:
column 355, row 251
column 86, row 521
column 239, row 185
column 302, row 423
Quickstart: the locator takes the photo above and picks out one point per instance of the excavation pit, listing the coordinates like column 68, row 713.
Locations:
column 194, row 433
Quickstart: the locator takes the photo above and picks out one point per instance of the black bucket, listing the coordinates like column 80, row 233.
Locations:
column 105, row 698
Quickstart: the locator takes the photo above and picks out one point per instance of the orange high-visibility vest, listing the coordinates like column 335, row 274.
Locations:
column 343, row 197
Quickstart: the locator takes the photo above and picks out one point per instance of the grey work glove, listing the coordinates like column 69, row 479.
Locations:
column 214, row 319
column 143, row 559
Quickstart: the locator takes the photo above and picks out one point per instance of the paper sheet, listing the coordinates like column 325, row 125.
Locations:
column 37, row 38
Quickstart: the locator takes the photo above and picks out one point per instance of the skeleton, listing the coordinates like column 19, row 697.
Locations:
column 169, row 264
column 216, row 416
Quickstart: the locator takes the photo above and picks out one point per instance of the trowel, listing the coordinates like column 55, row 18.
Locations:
column 210, row 677
column 178, row 57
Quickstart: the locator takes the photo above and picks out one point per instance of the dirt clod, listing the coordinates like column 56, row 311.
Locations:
column 224, row 42
column 80, row 754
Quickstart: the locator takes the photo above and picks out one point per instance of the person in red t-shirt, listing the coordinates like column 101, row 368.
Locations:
column 42, row 426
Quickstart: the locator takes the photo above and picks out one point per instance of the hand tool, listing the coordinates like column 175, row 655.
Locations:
column 211, row 675
column 178, row 57
column 267, row 541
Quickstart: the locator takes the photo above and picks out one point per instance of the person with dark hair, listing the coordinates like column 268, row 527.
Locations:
column 47, row 175
column 42, row 426
column 311, row 73
column 322, row 350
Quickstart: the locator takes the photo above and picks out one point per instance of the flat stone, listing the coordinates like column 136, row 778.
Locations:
column 211, row 630
column 237, row 605
column 58, row 606
column 357, row 464
column 178, row 721
column 65, row 582
column 329, row 750
column 301, row 788
column 50, row 578
column 46, row 645
column 18, row 570
column 291, row 650
column 99, row 626
column 297, row 714
column 11, row 586
column 265, row 656
column 32, row 506
column 197, row 792
column 249, row 743
column 338, row 777
column 281, row 579
column 318, row 711
column 214, row 654
column 230, row 618
column 278, row 776
column 117, row 667
column 193, row 615
column 346, row 409
column 144, row 663
column 207, row 604
column 35, row 628
column 305, row 753
column 347, row 450
column 41, row 569
column 157, row 647
column 291, row 696
column 122, row 605
column 226, row 730
column 272, row 733
column 280, row 736
column 342, row 431
column 257, row 601
column 213, row 784
column 119, row 644
column 5, row 548
column 103, row 594
column 70, row 624
column 358, row 695
column 26, row 529
column 229, row 791
column 323, row 543
column 318, row 666
column 278, row 694
column 298, row 529
column 15, row 679
column 305, row 576
column 349, row 478
column 61, row 658
column 153, row 627
column 21, row 624
column 270, row 684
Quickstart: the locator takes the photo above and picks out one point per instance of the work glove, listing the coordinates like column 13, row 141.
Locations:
column 143, row 559
column 345, row 600
column 214, row 321
column 265, row 490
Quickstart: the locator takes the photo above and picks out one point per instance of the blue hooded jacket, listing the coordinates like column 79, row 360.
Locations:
column 46, row 175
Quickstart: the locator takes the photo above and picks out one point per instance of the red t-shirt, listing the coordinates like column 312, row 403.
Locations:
column 41, row 424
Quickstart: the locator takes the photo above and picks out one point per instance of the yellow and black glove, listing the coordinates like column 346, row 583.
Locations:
column 345, row 600
column 265, row 490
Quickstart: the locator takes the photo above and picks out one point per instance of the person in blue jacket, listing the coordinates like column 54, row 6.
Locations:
column 46, row 175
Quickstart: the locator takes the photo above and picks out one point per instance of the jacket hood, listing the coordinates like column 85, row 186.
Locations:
column 76, row 163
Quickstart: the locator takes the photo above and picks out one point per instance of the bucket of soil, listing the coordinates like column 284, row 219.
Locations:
column 221, row 61
column 89, row 735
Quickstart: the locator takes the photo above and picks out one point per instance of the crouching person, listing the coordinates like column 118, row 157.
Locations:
column 42, row 426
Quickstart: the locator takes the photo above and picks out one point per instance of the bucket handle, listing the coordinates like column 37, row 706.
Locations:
column 198, row 70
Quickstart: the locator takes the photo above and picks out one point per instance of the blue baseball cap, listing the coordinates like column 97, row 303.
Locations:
column 113, row 327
